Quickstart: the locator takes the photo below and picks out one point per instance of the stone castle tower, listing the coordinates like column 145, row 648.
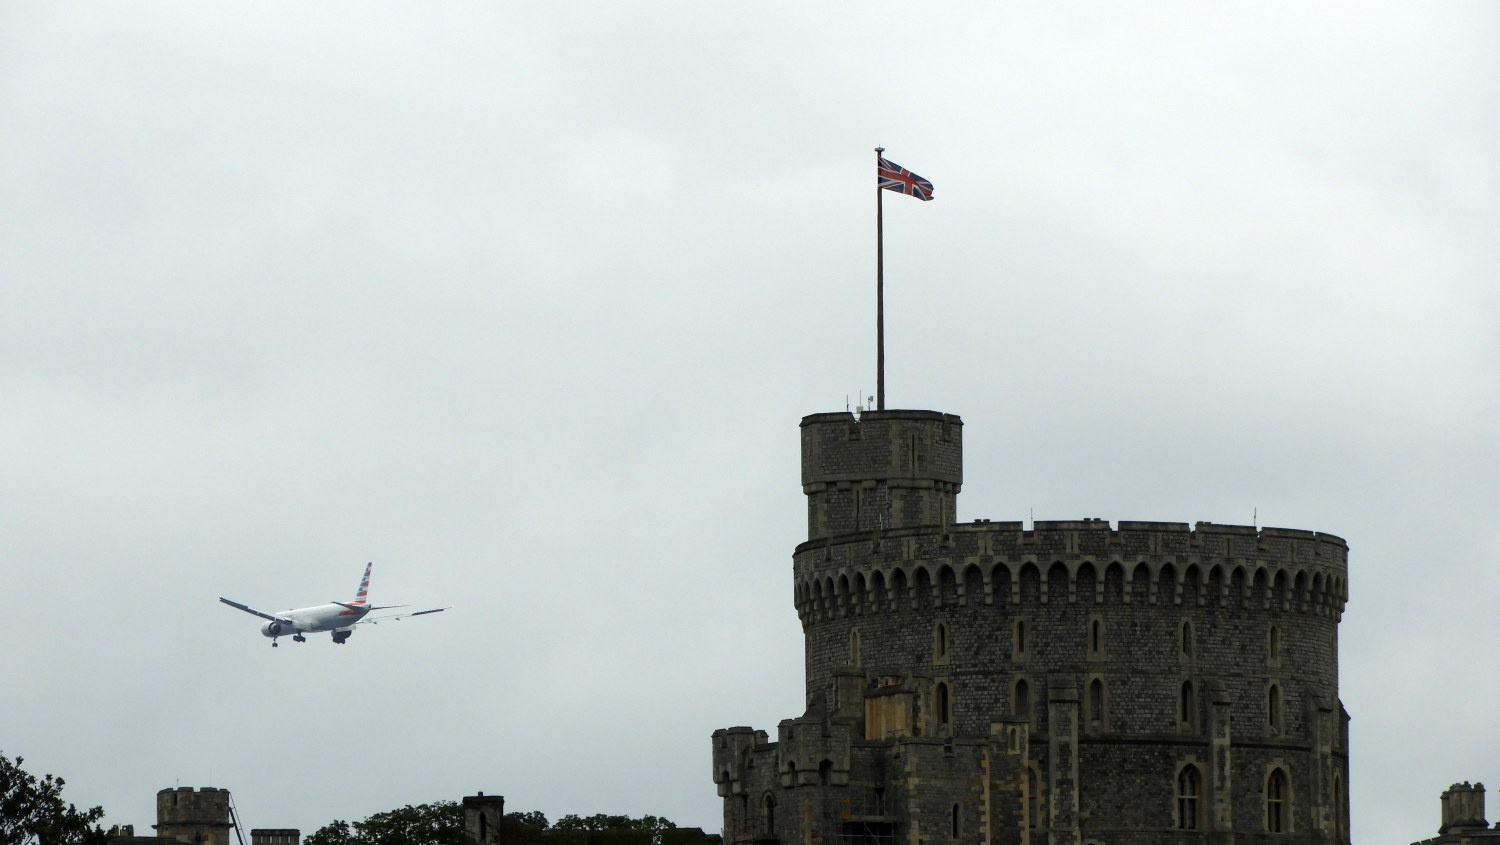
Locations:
column 1070, row 684
column 198, row 816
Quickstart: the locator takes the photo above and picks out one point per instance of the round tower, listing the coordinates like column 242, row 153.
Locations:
column 1072, row 682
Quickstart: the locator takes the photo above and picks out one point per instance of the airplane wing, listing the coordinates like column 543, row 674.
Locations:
column 252, row 611
column 373, row 619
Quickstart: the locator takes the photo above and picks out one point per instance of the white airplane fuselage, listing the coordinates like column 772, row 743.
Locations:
column 313, row 620
column 335, row 616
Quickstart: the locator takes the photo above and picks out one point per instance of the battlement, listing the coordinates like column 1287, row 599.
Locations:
column 1097, row 534
column 188, row 806
column 1083, row 560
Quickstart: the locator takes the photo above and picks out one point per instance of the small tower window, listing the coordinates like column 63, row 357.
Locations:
column 1187, row 641
column 1019, row 639
column 1096, row 638
column 943, row 713
column 1033, row 798
column 1188, row 792
column 1096, row 702
column 1278, row 791
column 1273, row 645
column 770, row 808
column 953, row 829
column 940, row 642
column 854, row 647
column 1022, row 704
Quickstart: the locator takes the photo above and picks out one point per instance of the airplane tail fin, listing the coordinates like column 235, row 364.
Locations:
column 362, row 597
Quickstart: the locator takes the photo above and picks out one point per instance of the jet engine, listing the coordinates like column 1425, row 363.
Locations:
column 275, row 629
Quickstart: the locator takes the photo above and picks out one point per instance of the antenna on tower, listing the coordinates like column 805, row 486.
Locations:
column 858, row 409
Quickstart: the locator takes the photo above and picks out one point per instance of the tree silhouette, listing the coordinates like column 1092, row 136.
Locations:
column 32, row 811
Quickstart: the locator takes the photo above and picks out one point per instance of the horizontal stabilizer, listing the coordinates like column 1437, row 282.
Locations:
column 398, row 616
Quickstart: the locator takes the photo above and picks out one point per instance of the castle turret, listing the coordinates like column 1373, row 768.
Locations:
column 880, row 470
column 1463, row 808
column 483, row 816
column 200, row 816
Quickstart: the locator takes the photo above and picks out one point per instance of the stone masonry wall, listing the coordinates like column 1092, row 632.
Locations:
column 1071, row 683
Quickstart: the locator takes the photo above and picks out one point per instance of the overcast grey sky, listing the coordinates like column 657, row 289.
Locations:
column 523, row 302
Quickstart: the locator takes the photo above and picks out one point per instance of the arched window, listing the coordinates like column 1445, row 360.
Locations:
column 1187, row 706
column 1096, row 638
column 1020, row 639
column 484, row 827
column 1096, row 702
column 1022, row 704
column 1273, row 645
column 770, row 814
column 1278, row 802
column 1189, row 786
column 1187, row 640
column 943, row 714
column 1033, row 798
column 1273, row 708
column 954, row 831
column 853, row 646
column 940, row 641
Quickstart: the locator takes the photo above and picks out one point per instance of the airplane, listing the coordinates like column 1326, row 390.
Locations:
column 338, row 617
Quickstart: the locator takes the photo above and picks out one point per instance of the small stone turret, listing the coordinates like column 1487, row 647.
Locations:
column 198, row 816
column 1463, row 808
column 483, row 815
column 880, row 470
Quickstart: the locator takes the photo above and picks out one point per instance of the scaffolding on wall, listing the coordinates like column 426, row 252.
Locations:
column 863, row 821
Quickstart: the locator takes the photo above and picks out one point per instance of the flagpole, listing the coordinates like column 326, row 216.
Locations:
column 879, row 290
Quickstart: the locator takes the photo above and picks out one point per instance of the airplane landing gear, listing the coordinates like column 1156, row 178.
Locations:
column 299, row 638
column 274, row 644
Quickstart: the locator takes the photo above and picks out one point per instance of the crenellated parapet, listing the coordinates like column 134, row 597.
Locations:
column 1077, row 562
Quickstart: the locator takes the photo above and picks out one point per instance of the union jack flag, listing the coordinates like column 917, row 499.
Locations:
column 894, row 177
